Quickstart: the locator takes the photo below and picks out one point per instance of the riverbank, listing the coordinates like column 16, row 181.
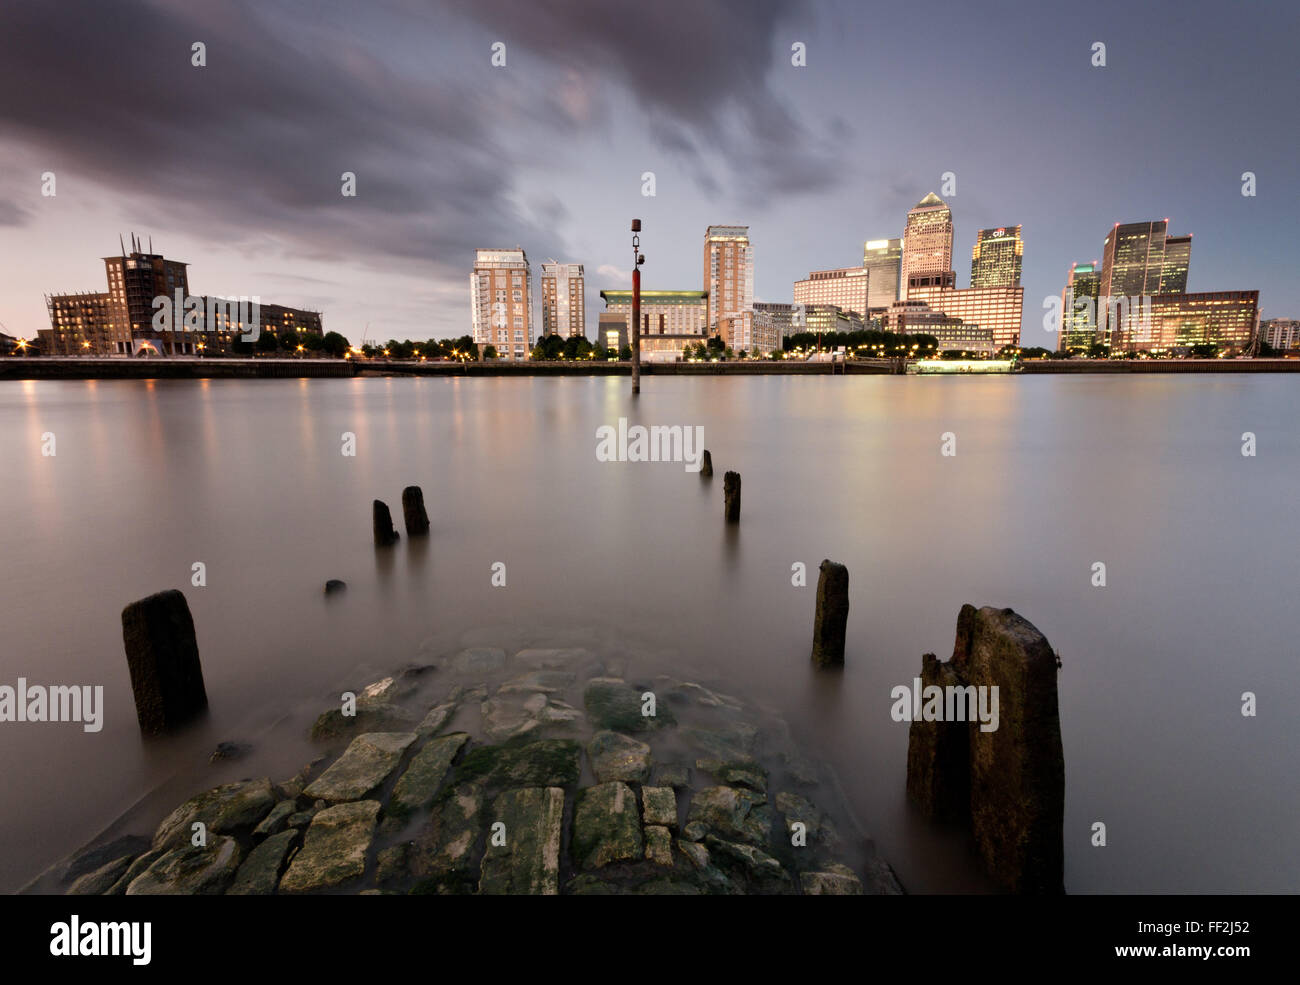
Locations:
column 182, row 368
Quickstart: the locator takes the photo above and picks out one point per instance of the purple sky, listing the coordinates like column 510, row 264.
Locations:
column 235, row 167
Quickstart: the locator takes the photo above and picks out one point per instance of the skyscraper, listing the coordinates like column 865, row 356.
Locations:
column 564, row 305
column 729, row 283
column 501, row 302
column 883, row 259
column 1173, row 270
column 927, row 240
column 1079, row 308
column 995, row 259
column 1139, row 260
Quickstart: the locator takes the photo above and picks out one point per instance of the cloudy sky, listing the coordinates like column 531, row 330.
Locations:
column 235, row 167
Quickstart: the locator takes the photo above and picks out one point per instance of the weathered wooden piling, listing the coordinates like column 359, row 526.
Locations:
column 417, row 520
column 385, row 533
column 1001, row 774
column 162, row 655
column 832, row 614
column 706, row 469
column 731, row 496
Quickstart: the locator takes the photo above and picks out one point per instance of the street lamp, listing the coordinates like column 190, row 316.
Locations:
column 637, row 259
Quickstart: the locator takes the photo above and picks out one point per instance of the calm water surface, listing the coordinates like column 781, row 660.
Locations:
column 1051, row 475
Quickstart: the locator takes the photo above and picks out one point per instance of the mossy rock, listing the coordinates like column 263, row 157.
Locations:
column 615, row 705
column 539, row 763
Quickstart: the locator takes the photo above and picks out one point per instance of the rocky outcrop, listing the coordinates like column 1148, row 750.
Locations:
column 162, row 655
column 1007, row 784
column 412, row 810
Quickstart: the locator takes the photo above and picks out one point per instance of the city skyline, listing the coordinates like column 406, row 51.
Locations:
column 255, row 205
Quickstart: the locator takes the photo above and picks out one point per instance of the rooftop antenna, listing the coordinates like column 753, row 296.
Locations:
column 151, row 244
column 121, row 244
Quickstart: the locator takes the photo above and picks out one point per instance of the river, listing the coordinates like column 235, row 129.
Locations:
column 1050, row 476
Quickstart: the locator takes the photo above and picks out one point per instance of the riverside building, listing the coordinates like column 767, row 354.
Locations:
column 501, row 306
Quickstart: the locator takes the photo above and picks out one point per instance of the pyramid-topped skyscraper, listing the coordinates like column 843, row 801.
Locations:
column 927, row 240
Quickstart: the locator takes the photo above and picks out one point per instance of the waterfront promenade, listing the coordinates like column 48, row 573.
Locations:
column 180, row 367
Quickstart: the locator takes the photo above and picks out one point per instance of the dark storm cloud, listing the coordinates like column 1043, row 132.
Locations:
column 258, row 139
column 707, row 76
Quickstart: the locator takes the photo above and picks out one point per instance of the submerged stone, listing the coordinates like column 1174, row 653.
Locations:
column 614, row 705
column 529, row 861
column 552, row 659
column 369, row 760
column 732, row 742
column 618, row 757
column 190, row 871
column 545, row 681
column 334, row 848
column 606, row 826
column 505, row 719
column 233, row 808
column 479, row 660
